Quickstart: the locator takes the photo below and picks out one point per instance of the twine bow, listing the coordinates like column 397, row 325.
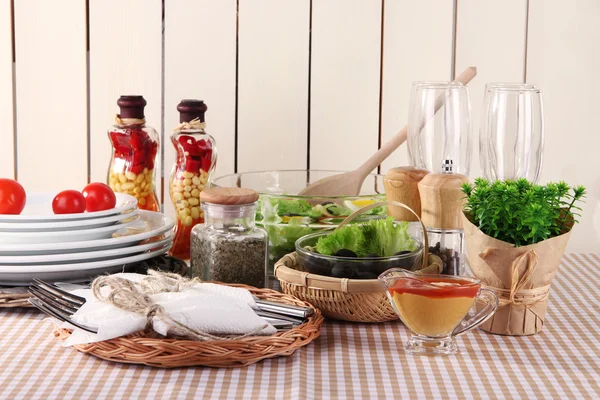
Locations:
column 193, row 124
column 135, row 298
column 129, row 121
column 516, row 294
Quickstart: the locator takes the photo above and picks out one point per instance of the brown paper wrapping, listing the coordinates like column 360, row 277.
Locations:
column 520, row 276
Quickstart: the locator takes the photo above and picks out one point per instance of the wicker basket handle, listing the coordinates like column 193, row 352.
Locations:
column 364, row 209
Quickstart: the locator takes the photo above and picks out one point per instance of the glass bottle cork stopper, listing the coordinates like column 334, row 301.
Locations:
column 131, row 106
column 189, row 110
column 229, row 196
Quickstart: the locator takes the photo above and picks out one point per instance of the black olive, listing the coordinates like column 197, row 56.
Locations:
column 366, row 275
column 345, row 253
column 402, row 252
column 326, row 203
column 290, row 215
column 344, row 270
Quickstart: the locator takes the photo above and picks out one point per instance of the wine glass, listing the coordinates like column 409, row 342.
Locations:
column 439, row 127
column 511, row 139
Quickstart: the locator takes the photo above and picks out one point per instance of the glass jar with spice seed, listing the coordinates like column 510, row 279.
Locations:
column 196, row 160
column 134, row 151
column 228, row 247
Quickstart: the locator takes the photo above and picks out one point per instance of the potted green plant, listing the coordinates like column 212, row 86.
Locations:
column 515, row 235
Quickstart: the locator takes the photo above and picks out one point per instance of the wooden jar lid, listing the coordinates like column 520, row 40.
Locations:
column 442, row 200
column 228, row 196
column 401, row 184
column 406, row 174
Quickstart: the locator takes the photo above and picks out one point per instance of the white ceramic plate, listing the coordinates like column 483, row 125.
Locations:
column 55, row 226
column 156, row 223
column 39, row 209
column 71, row 236
column 22, row 275
column 157, row 242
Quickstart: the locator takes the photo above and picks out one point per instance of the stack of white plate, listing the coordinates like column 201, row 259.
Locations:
column 77, row 247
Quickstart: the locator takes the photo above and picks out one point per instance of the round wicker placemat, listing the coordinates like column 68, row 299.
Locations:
column 144, row 348
column 14, row 297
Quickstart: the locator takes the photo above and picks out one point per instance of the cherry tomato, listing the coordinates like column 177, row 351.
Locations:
column 68, row 202
column 99, row 197
column 12, row 197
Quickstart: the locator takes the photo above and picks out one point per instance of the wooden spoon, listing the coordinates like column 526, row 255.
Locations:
column 349, row 183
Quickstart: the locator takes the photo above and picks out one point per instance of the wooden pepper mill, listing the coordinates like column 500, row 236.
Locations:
column 401, row 184
column 441, row 204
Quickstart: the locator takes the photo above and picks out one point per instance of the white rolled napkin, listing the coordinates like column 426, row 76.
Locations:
column 209, row 308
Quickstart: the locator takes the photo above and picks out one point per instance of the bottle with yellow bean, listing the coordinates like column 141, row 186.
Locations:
column 196, row 160
column 135, row 147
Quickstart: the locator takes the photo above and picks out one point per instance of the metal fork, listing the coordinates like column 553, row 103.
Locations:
column 58, row 303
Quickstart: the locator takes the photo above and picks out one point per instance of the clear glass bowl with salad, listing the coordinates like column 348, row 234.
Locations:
column 286, row 216
column 360, row 251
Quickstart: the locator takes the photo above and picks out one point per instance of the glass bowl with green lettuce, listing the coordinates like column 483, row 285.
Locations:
column 286, row 216
column 360, row 251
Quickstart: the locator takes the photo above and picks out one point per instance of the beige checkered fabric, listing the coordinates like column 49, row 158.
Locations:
column 348, row 361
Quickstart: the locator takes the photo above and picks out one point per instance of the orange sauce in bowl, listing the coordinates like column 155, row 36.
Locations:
column 435, row 287
column 433, row 306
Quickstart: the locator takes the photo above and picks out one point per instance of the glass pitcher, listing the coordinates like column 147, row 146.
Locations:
column 436, row 308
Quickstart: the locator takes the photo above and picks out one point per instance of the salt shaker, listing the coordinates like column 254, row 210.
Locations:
column 229, row 247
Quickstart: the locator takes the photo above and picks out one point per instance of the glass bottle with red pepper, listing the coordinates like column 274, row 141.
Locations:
column 196, row 160
column 135, row 147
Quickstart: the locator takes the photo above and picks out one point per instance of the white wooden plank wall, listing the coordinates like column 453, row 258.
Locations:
column 563, row 58
column 273, row 84
column 289, row 84
column 491, row 35
column 51, row 94
column 200, row 61
column 6, row 93
column 125, row 59
column 418, row 48
column 345, row 74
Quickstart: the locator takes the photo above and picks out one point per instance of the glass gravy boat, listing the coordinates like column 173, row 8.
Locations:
column 436, row 308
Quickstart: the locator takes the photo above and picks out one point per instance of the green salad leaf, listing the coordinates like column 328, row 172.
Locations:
column 288, row 219
column 383, row 237
column 349, row 237
column 282, row 236
column 389, row 237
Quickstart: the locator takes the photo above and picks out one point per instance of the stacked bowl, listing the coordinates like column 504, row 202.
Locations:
column 77, row 247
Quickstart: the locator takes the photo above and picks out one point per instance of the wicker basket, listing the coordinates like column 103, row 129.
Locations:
column 355, row 300
column 145, row 348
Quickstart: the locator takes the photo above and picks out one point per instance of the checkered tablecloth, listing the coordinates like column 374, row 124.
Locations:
column 348, row 361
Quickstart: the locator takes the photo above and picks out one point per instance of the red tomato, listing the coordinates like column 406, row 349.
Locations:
column 68, row 202
column 99, row 197
column 12, row 197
